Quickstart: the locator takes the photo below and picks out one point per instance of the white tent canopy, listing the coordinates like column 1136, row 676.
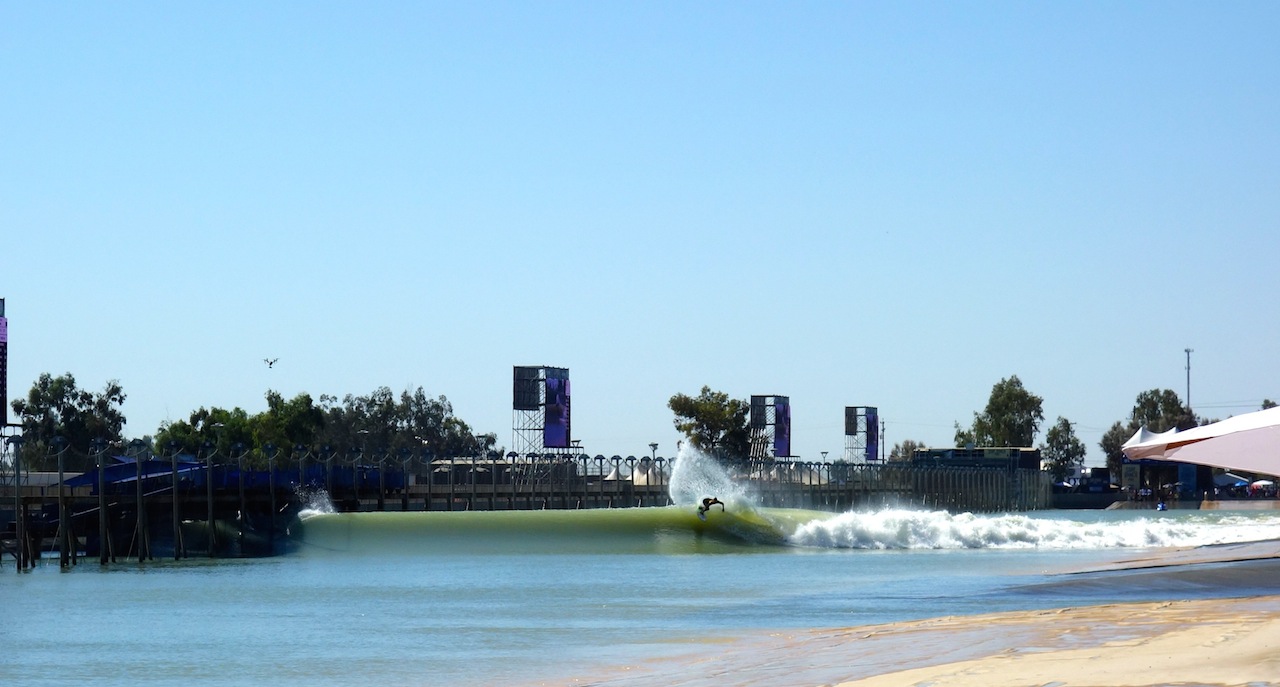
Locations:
column 1249, row 442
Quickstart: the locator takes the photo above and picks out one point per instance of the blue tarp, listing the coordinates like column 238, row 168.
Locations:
column 125, row 472
column 125, row 469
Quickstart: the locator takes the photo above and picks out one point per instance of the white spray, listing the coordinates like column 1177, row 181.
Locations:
column 316, row 500
column 696, row 476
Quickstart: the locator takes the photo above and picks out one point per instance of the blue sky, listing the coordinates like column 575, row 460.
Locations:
column 878, row 203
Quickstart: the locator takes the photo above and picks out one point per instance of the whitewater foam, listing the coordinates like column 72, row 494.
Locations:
column 907, row 529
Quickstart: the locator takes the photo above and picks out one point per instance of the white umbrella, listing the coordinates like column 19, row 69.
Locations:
column 1262, row 483
column 1248, row 442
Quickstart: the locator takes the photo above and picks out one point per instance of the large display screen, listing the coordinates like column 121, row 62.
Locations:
column 758, row 417
column 524, row 395
column 4, row 368
column 781, row 426
column 555, row 427
column 873, row 434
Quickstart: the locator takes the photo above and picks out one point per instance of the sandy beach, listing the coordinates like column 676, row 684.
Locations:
column 1232, row 642
column 1228, row 642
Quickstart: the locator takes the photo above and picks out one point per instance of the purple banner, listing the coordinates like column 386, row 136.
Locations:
column 4, row 368
column 555, row 427
column 781, row 426
column 873, row 434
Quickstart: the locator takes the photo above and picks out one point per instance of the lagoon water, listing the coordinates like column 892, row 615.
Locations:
column 543, row 597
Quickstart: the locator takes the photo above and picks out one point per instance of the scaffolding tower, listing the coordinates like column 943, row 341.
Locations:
column 770, row 423
column 861, row 434
column 529, row 414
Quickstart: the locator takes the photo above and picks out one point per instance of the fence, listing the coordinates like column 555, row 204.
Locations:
column 147, row 500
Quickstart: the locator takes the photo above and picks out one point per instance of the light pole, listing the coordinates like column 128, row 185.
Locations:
column 381, row 455
column 217, row 427
column 239, row 449
column 300, row 452
column 405, row 456
column 653, row 450
column 326, row 452
column 66, row 553
column 356, row 452
column 99, row 447
column 210, row 448
column 177, row 522
column 138, row 448
column 271, row 489
column 1189, row 351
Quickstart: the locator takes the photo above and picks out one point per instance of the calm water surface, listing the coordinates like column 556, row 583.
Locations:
column 483, row 598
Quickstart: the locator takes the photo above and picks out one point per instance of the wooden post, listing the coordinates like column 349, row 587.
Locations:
column 209, row 451
column 382, row 482
column 173, row 490
column 15, row 449
column 140, row 527
column 271, row 486
column 244, row 514
column 65, row 553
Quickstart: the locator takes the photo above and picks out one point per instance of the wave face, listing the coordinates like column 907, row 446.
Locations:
column 669, row 529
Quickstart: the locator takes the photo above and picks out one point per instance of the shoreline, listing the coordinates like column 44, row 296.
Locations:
column 1227, row 641
column 1202, row 642
column 1219, row 642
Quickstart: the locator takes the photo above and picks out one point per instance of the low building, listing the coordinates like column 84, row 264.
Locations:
column 1011, row 458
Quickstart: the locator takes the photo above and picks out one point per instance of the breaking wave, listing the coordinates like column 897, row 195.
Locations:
column 908, row 529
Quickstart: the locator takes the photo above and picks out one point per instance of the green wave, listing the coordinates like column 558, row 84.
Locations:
column 669, row 529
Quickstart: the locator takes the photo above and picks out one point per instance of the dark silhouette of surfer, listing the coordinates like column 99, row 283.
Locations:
column 707, row 503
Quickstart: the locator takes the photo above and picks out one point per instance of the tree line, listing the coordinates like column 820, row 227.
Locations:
column 57, row 414
column 717, row 424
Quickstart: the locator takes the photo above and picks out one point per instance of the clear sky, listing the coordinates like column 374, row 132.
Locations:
column 894, row 204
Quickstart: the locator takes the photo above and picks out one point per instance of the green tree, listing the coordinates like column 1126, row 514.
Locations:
column 55, row 407
column 1111, row 442
column 229, row 432
column 1159, row 410
column 1268, row 404
column 1062, row 450
column 906, row 450
column 1012, row 417
column 713, row 423
column 381, row 425
column 286, row 424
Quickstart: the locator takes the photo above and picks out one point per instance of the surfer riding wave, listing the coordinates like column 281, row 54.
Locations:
column 707, row 503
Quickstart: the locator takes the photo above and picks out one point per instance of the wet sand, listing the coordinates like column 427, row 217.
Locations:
column 1218, row 642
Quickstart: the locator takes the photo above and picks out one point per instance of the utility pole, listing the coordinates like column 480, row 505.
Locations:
column 1189, row 351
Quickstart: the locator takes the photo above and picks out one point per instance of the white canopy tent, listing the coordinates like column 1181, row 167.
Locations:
column 1248, row 442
